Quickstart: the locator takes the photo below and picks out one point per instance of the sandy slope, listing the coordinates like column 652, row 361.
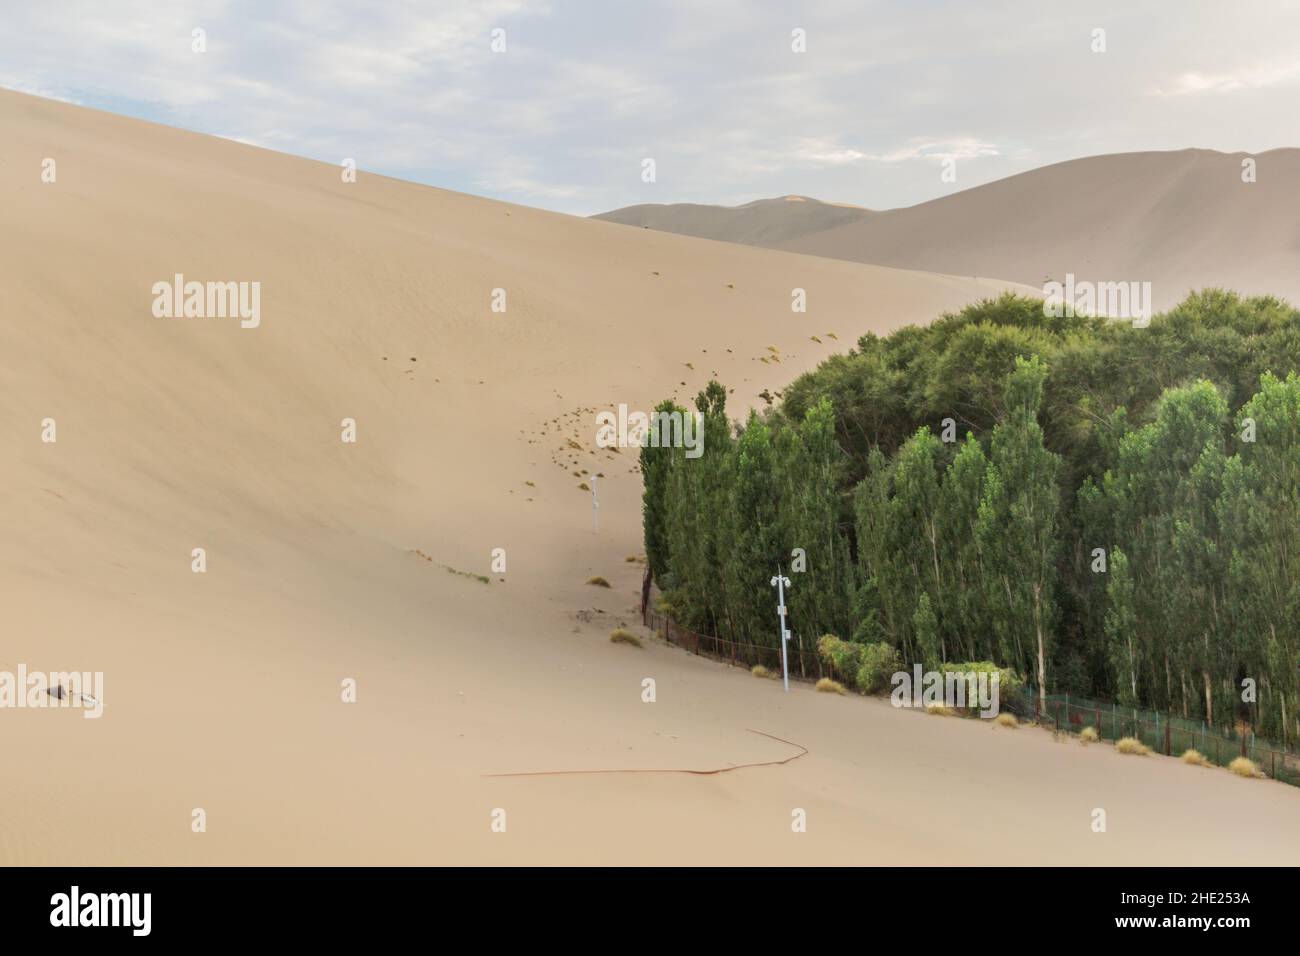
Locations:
column 1179, row 220
column 223, row 689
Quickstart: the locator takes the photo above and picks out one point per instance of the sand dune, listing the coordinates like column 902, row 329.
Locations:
column 764, row 222
column 1179, row 220
column 222, row 689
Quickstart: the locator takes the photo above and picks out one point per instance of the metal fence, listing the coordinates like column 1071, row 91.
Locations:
column 803, row 660
column 1168, row 735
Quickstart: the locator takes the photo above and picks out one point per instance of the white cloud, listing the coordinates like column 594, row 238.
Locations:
column 963, row 148
column 1246, row 78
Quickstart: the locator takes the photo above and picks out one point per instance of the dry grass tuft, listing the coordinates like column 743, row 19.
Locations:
column 623, row 636
column 1006, row 720
column 1195, row 757
column 828, row 686
column 940, row 709
column 598, row 581
column 758, row 670
column 1131, row 745
column 1089, row 735
column 1244, row 767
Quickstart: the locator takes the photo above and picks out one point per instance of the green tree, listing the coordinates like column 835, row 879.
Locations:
column 754, row 545
column 812, row 497
column 1121, row 628
column 655, row 464
column 1018, row 521
column 1259, row 508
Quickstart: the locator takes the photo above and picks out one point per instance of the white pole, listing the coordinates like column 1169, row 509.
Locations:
column 781, row 582
column 595, row 506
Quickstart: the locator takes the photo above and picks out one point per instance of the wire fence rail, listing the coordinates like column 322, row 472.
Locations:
column 1166, row 734
column 805, row 664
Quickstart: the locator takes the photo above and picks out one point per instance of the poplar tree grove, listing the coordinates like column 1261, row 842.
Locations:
column 1109, row 510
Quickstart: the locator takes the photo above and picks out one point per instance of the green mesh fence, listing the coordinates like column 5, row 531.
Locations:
column 1167, row 734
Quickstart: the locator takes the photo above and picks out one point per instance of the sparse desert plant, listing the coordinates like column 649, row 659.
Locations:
column 632, row 559
column 583, row 486
column 1193, row 756
column 1131, row 745
column 828, row 686
column 1006, row 720
column 1088, row 735
column 758, row 670
column 598, row 581
column 1244, row 767
column 621, row 635
column 940, row 710
column 482, row 578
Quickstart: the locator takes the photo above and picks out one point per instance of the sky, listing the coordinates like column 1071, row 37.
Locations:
column 714, row 91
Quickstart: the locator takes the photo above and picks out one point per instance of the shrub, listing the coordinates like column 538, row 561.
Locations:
column 758, row 670
column 842, row 656
column 1195, row 757
column 1131, row 745
column 828, row 686
column 1011, row 686
column 598, row 581
column 623, row 636
column 877, row 664
column 1244, row 767
column 1089, row 735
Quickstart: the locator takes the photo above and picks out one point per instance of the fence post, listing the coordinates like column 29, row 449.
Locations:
column 1168, row 752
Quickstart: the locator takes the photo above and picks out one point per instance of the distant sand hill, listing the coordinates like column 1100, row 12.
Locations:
column 765, row 222
column 329, row 561
column 1180, row 220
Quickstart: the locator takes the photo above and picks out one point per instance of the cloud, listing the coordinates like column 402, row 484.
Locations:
column 1246, row 78
column 964, row 148
column 713, row 92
